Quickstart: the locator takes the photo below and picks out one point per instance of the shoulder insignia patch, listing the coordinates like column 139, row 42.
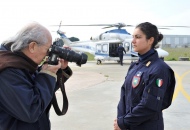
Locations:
column 136, row 79
column 159, row 82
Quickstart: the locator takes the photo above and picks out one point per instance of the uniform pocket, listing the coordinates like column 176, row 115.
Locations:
column 154, row 98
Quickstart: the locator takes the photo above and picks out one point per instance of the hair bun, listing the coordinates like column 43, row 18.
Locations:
column 160, row 37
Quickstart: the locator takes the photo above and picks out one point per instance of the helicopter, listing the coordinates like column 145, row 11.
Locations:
column 104, row 46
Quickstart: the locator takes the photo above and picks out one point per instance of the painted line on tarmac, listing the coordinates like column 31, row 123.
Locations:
column 179, row 86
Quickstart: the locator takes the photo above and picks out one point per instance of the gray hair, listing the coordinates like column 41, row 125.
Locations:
column 33, row 32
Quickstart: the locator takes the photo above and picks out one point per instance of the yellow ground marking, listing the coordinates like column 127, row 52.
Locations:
column 179, row 86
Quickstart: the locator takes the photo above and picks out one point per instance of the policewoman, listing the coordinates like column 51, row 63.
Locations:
column 148, row 87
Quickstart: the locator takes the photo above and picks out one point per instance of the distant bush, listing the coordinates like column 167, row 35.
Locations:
column 90, row 56
column 172, row 59
column 175, row 53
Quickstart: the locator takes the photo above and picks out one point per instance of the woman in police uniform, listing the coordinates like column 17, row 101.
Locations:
column 149, row 85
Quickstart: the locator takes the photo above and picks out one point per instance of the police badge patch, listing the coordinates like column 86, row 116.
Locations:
column 159, row 82
column 136, row 79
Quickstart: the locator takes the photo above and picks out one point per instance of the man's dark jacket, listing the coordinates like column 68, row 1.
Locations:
column 25, row 93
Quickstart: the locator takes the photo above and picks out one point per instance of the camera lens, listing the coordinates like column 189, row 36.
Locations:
column 69, row 55
column 78, row 58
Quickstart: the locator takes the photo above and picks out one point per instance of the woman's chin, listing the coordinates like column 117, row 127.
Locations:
column 134, row 49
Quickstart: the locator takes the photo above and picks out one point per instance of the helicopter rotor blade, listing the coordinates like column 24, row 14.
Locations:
column 82, row 25
column 108, row 27
column 117, row 25
column 163, row 28
column 175, row 26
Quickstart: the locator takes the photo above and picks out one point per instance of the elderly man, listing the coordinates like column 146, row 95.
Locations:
column 26, row 90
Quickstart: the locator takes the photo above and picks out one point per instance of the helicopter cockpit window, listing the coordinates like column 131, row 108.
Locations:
column 98, row 48
column 126, row 47
column 105, row 48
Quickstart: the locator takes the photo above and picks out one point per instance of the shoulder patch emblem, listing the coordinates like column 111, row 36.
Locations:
column 135, row 81
column 159, row 82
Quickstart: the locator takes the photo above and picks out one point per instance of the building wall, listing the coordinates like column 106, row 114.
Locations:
column 175, row 41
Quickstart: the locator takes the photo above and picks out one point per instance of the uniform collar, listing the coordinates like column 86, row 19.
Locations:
column 147, row 54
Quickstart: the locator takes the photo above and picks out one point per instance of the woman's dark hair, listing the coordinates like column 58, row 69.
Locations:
column 150, row 30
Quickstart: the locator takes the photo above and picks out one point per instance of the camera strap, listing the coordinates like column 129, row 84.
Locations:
column 65, row 100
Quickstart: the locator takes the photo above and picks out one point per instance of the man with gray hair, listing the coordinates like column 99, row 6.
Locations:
column 26, row 89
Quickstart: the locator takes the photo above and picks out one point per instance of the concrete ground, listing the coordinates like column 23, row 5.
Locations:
column 93, row 93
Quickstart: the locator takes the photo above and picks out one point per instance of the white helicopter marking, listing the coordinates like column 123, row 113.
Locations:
column 104, row 46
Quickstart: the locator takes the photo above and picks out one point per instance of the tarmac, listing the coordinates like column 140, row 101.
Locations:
column 93, row 93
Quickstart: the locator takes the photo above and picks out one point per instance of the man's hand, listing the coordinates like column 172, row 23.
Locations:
column 116, row 127
column 52, row 68
column 64, row 63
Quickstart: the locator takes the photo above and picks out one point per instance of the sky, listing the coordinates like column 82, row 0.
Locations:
column 14, row 14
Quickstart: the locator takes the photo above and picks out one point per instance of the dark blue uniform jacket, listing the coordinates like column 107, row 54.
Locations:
column 25, row 99
column 147, row 90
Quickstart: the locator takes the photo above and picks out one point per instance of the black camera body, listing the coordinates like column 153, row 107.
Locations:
column 57, row 51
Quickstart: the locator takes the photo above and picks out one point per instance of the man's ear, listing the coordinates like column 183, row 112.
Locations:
column 31, row 47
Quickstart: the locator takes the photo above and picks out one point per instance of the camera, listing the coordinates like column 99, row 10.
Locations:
column 57, row 51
